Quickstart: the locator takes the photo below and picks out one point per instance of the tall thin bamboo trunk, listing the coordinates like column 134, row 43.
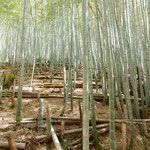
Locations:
column 19, row 100
column 85, row 120
column 110, row 83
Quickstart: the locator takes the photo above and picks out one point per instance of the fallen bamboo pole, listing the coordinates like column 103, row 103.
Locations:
column 28, row 94
column 40, row 138
column 80, row 129
column 77, row 121
column 104, row 130
column 6, row 145
column 67, row 122
column 103, row 120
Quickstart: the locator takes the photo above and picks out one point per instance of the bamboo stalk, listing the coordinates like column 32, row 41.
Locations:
column 55, row 139
column 40, row 115
column 19, row 100
column 48, row 123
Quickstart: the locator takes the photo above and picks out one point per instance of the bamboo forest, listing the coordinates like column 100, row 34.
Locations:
column 75, row 74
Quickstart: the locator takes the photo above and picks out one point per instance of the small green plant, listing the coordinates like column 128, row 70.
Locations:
column 9, row 81
column 66, row 144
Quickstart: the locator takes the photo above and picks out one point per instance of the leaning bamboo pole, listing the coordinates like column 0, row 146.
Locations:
column 55, row 139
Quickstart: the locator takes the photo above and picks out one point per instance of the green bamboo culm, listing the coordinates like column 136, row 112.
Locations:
column 48, row 123
column 19, row 100
column 111, row 86
column 40, row 115
column 90, row 85
column 64, row 67
column 85, row 119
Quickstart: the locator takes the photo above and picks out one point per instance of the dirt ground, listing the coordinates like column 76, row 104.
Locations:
column 30, row 110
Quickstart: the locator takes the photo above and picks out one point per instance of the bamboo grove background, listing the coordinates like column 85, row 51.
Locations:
column 109, row 38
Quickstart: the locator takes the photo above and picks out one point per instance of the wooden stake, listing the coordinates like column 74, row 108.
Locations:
column 33, row 89
column 145, row 128
column 62, row 129
column 119, row 107
column 14, row 84
column 51, row 78
column 38, row 96
column 80, row 111
column 40, row 115
column 48, row 123
column 1, row 88
column 12, row 97
column 12, row 100
column 125, row 111
column 12, row 145
column 124, row 136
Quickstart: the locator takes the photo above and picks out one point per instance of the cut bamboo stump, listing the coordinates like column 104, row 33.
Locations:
column 124, row 136
column 125, row 111
column 38, row 96
column 51, row 78
column 40, row 116
column 12, row 95
column 62, row 129
column 145, row 129
column 80, row 111
column 1, row 88
column 11, row 141
column 119, row 107
column 48, row 123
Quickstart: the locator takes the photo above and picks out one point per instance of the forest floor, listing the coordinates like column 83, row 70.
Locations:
column 28, row 132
